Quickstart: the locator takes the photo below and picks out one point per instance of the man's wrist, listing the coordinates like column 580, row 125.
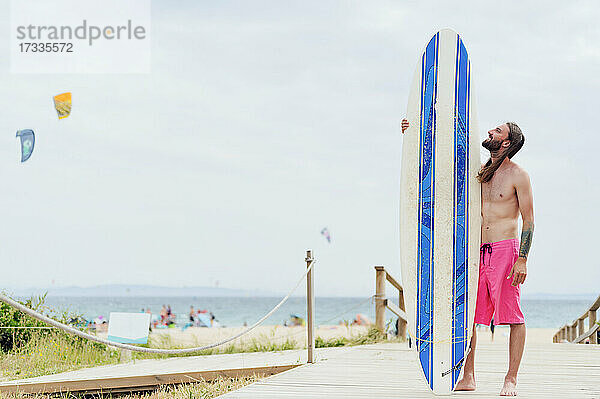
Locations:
column 523, row 257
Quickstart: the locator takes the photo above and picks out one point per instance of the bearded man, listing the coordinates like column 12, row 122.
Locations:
column 505, row 193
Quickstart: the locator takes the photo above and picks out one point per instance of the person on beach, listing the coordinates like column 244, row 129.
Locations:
column 506, row 192
column 163, row 315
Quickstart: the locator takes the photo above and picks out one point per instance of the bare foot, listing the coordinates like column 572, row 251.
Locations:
column 510, row 387
column 466, row 384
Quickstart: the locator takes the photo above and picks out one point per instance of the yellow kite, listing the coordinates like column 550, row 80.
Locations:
column 62, row 103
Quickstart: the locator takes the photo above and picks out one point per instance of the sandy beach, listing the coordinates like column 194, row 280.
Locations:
column 502, row 333
column 196, row 336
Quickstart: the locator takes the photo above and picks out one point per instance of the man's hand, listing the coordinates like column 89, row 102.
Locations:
column 404, row 125
column 518, row 272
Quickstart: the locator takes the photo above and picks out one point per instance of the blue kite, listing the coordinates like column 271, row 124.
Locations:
column 27, row 143
column 325, row 233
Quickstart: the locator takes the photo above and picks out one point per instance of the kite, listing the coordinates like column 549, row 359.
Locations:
column 325, row 233
column 62, row 103
column 27, row 143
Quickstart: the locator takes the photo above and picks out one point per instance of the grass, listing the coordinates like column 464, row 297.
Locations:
column 26, row 353
column 372, row 336
column 52, row 351
column 262, row 343
column 201, row 389
column 265, row 343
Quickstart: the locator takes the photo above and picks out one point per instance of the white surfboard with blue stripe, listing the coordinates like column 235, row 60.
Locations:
column 440, row 210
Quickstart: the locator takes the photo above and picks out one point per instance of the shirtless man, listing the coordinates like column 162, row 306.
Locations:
column 506, row 192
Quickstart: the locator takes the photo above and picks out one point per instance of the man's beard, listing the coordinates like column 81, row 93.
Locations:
column 491, row 145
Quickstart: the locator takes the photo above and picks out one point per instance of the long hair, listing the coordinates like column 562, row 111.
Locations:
column 517, row 139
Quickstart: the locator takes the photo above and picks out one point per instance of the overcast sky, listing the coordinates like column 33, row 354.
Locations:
column 263, row 122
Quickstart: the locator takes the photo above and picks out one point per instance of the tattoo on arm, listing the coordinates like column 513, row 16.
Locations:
column 526, row 237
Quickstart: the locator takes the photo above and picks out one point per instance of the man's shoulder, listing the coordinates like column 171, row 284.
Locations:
column 516, row 169
column 518, row 173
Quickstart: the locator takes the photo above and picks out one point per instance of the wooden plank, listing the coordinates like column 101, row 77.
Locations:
column 393, row 281
column 148, row 372
column 395, row 309
column 392, row 371
column 387, row 370
column 592, row 332
column 91, row 386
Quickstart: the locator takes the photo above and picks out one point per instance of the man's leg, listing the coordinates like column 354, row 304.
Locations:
column 517, row 344
column 468, row 381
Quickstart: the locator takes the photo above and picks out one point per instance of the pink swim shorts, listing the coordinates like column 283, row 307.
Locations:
column 496, row 297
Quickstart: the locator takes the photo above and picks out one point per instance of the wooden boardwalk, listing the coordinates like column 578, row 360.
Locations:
column 153, row 372
column 390, row 371
column 371, row 371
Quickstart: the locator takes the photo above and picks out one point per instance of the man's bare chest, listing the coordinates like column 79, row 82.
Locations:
column 498, row 190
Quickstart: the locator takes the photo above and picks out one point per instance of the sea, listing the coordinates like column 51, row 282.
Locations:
column 238, row 311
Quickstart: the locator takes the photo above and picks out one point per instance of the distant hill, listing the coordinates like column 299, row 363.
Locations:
column 125, row 290
column 132, row 290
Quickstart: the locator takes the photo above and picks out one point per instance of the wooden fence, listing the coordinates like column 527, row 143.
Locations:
column 576, row 333
column 382, row 303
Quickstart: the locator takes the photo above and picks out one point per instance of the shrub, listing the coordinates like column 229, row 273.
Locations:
column 14, row 338
column 10, row 317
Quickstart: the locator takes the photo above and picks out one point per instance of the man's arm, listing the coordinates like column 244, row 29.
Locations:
column 525, row 198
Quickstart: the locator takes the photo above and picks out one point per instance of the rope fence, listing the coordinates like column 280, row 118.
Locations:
column 71, row 330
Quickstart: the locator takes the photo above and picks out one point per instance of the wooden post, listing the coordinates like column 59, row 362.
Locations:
column 380, row 298
column 571, row 333
column 401, row 323
column 580, row 330
column 591, row 322
column 561, row 334
column 310, row 299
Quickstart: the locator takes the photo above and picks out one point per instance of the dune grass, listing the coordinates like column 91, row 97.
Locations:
column 372, row 336
column 262, row 343
column 53, row 351
column 31, row 352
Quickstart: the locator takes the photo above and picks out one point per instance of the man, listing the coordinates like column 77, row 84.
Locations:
column 506, row 192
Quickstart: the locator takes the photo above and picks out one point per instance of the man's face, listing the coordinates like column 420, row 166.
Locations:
column 497, row 138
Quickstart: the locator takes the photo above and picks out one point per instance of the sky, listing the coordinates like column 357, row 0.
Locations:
column 263, row 122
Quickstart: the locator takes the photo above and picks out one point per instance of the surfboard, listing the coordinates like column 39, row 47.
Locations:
column 440, row 210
